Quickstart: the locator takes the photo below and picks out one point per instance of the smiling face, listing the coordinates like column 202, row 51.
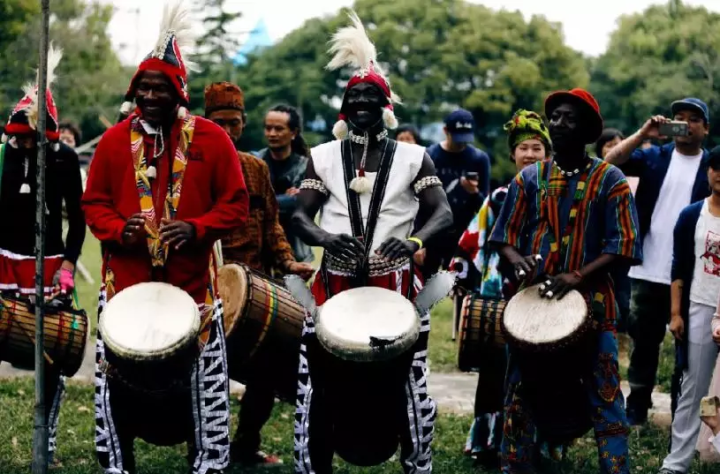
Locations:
column 156, row 97
column 528, row 152
column 564, row 127
column 364, row 105
column 697, row 128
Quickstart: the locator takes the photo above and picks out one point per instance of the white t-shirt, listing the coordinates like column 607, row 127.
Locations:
column 705, row 285
column 675, row 195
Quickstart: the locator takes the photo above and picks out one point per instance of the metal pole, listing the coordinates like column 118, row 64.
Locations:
column 40, row 435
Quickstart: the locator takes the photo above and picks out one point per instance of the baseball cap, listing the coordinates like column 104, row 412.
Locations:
column 691, row 103
column 460, row 125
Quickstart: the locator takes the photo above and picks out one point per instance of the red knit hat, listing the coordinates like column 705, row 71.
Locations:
column 352, row 47
column 586, row 102
column 166, row 57
column 24, row 117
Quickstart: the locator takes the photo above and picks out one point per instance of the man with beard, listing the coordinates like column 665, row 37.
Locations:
column 163, row 187
column 369, row 190
column 671, row 177
column 578, row 214
column 261, row 245
column 18, row 191
column 286, row 156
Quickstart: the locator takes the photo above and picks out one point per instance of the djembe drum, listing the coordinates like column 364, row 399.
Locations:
column 65, row 335
column 480, row 328
column 263, row 325
column 367, row 334
column 150, row 332
column 551, row 343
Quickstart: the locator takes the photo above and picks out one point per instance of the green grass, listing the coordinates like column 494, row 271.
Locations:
column 76, row 445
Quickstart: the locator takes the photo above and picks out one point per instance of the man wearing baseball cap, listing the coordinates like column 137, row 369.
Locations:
column 465, row 174
column 671, row 177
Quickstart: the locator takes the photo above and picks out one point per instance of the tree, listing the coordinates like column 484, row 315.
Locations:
column 214, row 49
column 440, row 54
column 663, row 54
column 91, row 80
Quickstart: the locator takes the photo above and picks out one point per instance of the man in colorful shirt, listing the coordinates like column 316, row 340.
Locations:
column 287, row 157
column 164, row 186
column 578, row 214
column 261, row 245
column 368, row 188
column 18, row 191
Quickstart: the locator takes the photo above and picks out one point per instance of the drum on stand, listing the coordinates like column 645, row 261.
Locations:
column 552, row 345
column 65, row 335
column 263, row 326
column 150, row 332
column 480, row 327
column 367, row 335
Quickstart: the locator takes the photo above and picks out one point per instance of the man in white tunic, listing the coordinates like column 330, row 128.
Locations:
column 368, row 190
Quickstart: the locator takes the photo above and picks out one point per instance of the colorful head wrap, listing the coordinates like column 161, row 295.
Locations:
column 527, row 125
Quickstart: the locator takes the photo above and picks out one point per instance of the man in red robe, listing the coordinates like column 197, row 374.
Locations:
column 163, row 187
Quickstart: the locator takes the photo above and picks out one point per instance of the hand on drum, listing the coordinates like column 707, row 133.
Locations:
column 176, row 233
column 134, row 229
column 344, row 246
column 559, row 285
column 525, row 266
column 394, row 248
column 303, row 269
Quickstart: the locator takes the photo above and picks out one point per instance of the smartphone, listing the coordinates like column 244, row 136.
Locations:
column 472, row 176
column 673, row 129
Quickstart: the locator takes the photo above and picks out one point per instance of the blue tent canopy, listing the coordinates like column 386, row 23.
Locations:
column 257, row 39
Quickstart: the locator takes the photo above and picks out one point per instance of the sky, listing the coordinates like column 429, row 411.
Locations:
column 587, row 25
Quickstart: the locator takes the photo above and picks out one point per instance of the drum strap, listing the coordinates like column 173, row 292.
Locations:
column 365, row 233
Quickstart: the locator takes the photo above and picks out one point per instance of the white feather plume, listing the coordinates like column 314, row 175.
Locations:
column 351, row 47
column 31, row 90
column 176, row 21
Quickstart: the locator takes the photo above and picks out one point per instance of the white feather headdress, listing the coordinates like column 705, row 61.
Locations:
column 351, row 47
column 31, row 90
column 176, row 26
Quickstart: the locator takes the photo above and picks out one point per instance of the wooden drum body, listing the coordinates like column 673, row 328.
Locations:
column 65, row 334
column 552, row 347
column 367, row 335
column 263, row 326
column 480, row 328
column 150, row 332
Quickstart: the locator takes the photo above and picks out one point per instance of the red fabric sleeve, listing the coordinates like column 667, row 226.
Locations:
column 231, row 207
column 101, row 215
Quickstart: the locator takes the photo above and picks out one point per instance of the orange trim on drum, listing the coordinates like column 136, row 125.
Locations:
column 271, row 303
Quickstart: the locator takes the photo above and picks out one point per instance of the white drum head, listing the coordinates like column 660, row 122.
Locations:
column 367, row 324
column 149, row 321
column 535, row 320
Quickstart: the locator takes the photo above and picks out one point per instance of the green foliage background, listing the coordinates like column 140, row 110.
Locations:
column 440, row 54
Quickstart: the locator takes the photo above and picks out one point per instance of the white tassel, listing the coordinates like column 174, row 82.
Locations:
column 25, row 189
column 361, row 185
column 340, row 129
column 56, row 146
column 126, row 107
column 13, row 142
column 389, row 118
column 182, row 113
column 4, row 138
column 151, row 172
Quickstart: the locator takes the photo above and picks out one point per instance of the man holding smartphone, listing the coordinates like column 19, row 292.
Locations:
column 465, row 175
column 671, row 177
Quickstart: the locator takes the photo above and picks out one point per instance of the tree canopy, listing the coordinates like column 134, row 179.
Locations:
column 440, row 54
column 665, row 53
